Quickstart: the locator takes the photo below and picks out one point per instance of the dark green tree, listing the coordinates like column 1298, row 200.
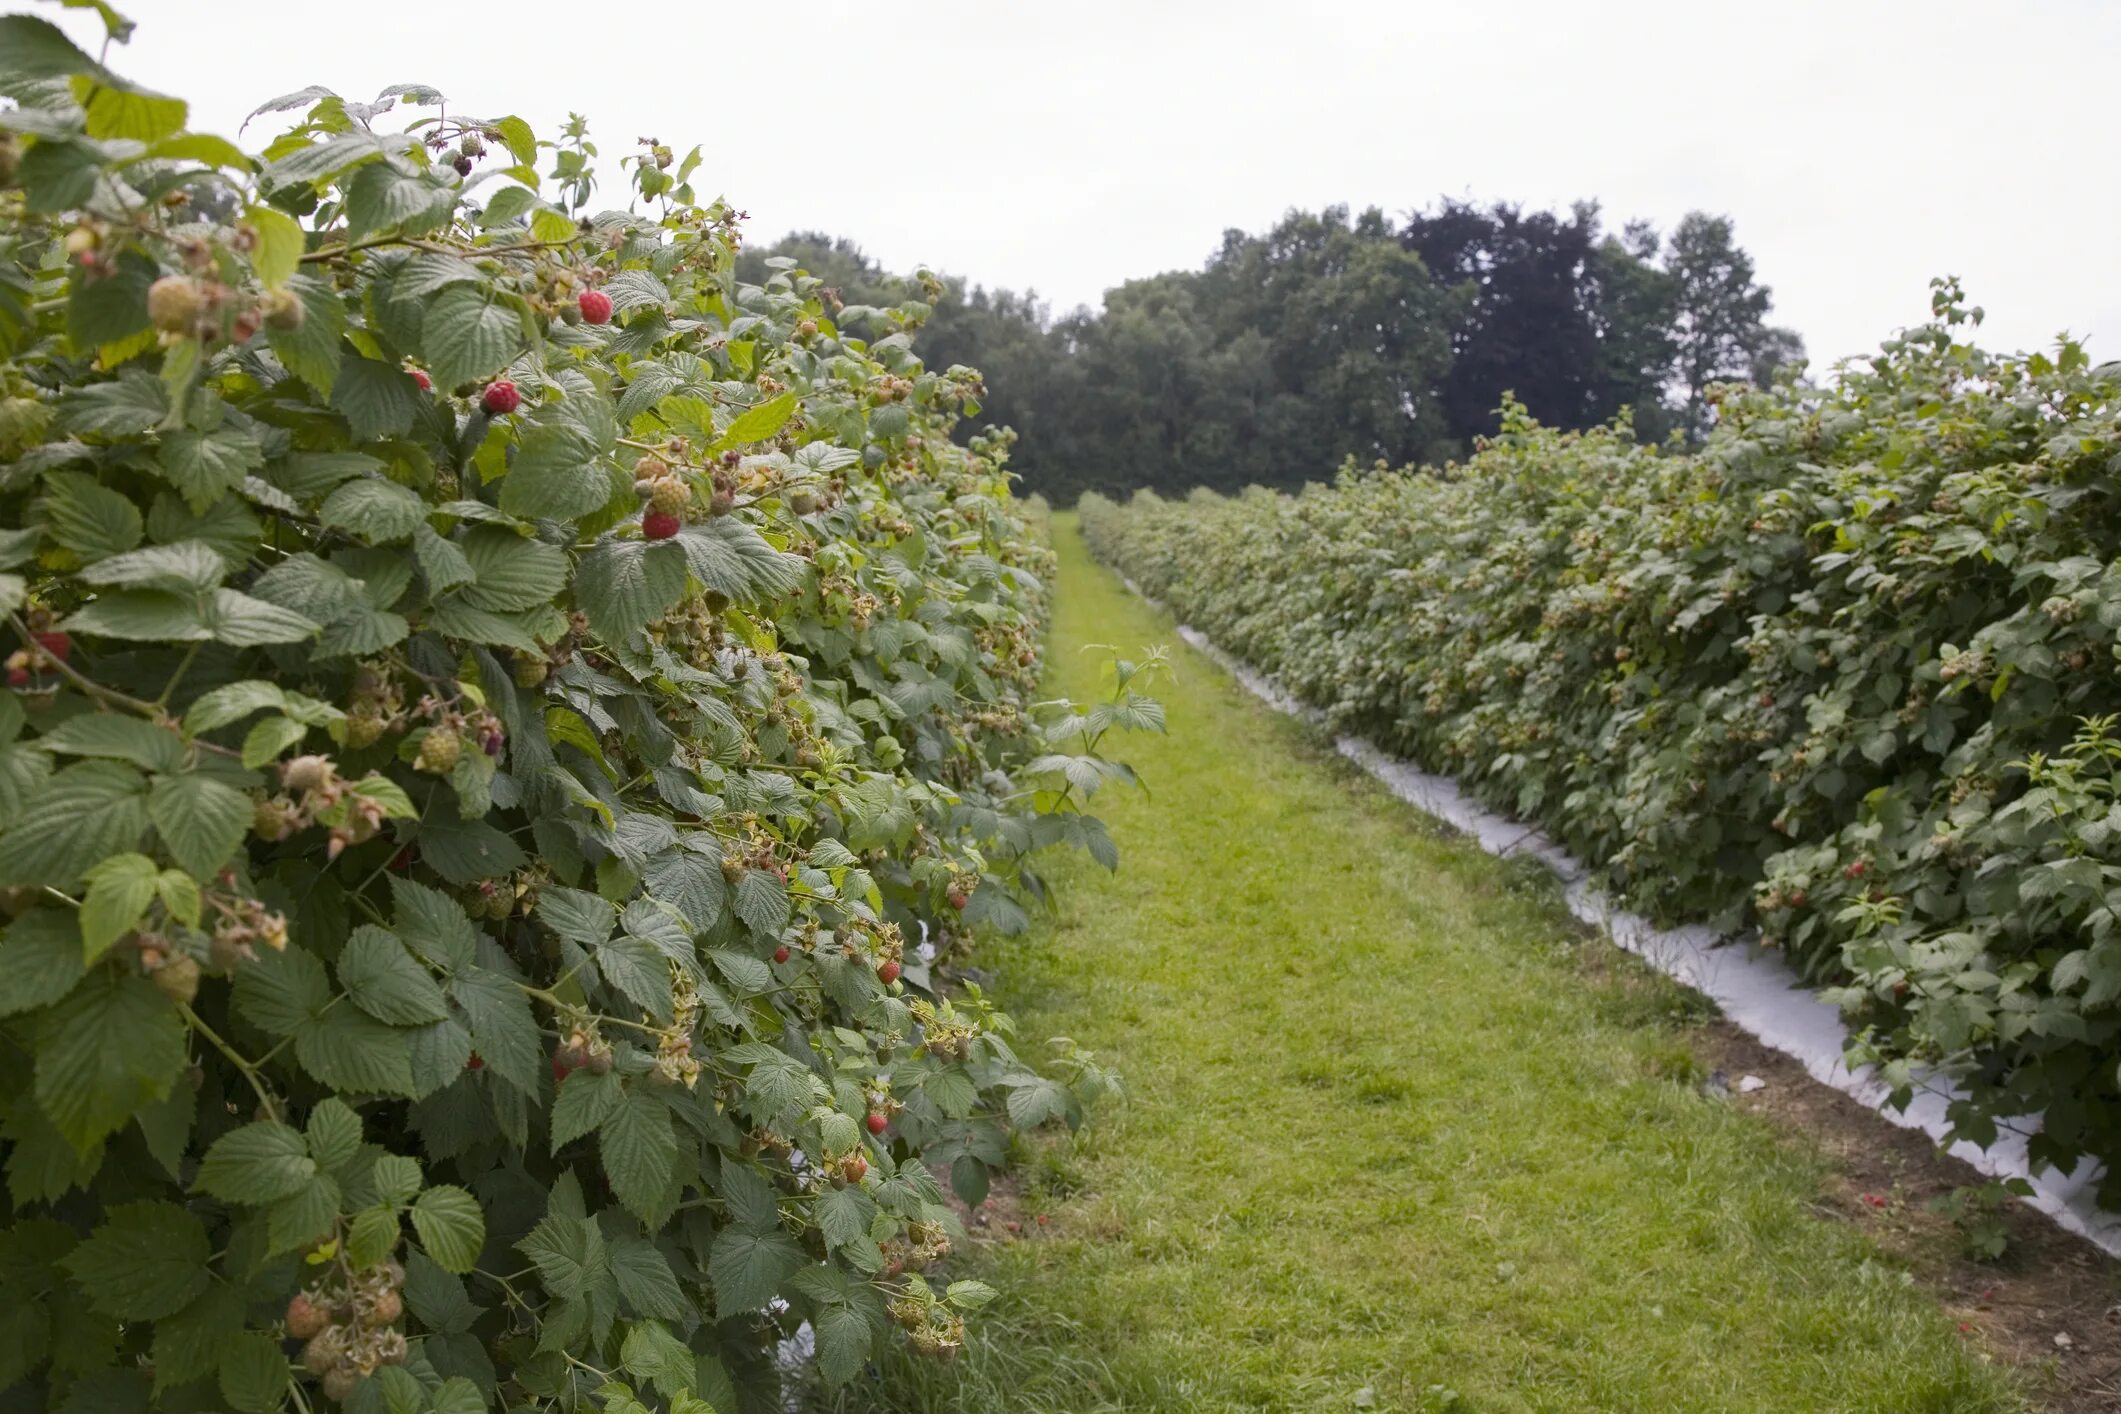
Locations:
column 1330, row 336
column 1719, row 323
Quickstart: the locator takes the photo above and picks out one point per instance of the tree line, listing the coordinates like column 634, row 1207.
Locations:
column 1332, row 336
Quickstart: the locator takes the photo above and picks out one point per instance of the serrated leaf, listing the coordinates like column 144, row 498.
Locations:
column 652, row 1353
column 581, row 918
column 204, row 466
column 254, row 1374
column 762, row 902
column 639, row 972
column 843, row 1341
column 377, row 399
column 126, row 406
column 748, row 1268
column 242, row 621
column 441, row 561
column 124, row 112
column 503, row 1031
column 395, row 1179
column 757, row 424
column 314, row 349
column 89, row 1087
column 279, row 991
column 268, row 738
column 372, row 1236
column 451, row 1227
column 690, row 882
column 259, row 1163
column 277, row 252
column 585, row 1100
column 106, row 734
column 142, row 614
column 201, row 820
column 147, row 1261
column 731, row 558
column 843, row 1215
column 436, row 1298
column 349, row 1050
column 80, row 816
column 304, row 1217
column 970, row 1295
column 387, row 982
column 570, row 1256
column 434, row 925
column 647, row 1286
column 378, row 511
column 622, row 585
column 119, row 891
column 639, row 1150
column 746, row 973
column 333, row 1133
column 381, row 198
column 557, row 474
column 189, row 1345
column 469, row 333
column 511, row 572
column 166, row 1128
column 232, row 703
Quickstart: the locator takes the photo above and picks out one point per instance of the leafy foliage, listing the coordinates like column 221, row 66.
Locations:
column 1848, row 674
column 488, row 777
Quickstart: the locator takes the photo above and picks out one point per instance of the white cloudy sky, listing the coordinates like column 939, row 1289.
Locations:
column 1861, row 145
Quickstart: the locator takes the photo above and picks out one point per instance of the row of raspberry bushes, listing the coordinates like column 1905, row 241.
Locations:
column 504, row 725
column 1846, row 673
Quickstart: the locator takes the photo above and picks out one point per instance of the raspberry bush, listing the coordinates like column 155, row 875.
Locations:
column 1847, row 673
column 503, row 725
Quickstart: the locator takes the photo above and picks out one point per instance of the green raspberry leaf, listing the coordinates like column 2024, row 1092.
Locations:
column 259, row 1163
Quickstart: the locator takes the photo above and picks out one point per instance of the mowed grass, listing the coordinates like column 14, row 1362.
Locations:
column 1389, row 1143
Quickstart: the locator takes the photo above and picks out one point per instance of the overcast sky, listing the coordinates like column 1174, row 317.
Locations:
column 1862, row 146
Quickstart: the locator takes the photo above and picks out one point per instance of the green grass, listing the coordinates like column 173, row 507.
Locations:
column 1389, row 1143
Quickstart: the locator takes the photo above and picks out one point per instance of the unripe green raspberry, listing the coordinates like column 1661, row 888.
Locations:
column 669, row 496
column 439, row 751
column 283, row 310
column 174, row 303
column 363, row 729
column 177, row 979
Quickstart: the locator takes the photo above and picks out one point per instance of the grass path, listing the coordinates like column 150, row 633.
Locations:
column 1390, row 1143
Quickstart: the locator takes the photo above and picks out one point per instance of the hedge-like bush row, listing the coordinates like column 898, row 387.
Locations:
column 493, row 708
column 1847, row 673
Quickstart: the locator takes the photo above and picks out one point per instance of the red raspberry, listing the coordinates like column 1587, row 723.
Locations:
column 855, row 1168
column 595, row 306
column 500, row 398
column 887, row 972
column 780, row 954
column 878, row 1123
column 59, row 645
column 958, row 899
column 419, row 376
column 660, row 525
column 18, row 677
column 476, row 1062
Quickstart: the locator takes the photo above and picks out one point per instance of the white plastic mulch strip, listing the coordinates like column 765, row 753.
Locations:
column 1757, row 991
